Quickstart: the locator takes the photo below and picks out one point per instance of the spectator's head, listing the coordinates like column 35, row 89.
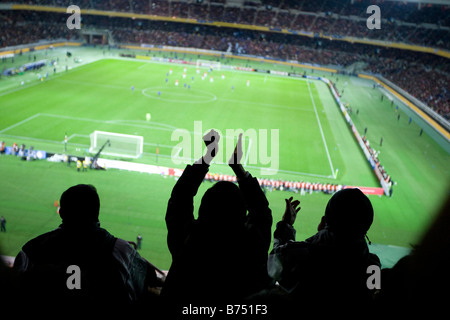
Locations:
column 222, row 205
column 79, row 205
column 349, row 213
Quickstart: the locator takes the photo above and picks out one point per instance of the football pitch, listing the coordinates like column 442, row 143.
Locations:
column 313, row 144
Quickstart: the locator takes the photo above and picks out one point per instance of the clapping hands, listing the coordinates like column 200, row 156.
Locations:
column 292, row 208
column 211, row 140
column 236, row 157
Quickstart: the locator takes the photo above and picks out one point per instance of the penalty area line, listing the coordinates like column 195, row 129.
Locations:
column 20, row 123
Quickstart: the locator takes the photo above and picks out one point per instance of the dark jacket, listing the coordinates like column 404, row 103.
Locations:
column 324, row 265
column 209, row 264
column 111, row 270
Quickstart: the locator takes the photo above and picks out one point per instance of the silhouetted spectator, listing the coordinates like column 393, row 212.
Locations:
column 331, row 266
column 222, row 255
column 112, row 272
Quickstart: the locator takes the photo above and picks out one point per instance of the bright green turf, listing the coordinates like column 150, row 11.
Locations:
column 98, row 96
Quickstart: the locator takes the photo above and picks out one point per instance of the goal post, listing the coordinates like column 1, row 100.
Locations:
column 119, row 145
column 208, row 64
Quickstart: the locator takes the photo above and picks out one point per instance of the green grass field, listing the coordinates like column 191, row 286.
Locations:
column 314, row 141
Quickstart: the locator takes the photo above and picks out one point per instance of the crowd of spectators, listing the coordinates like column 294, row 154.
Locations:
column 32, row 27
column 402, row 22
column 374, row 155
column 301, row 187
column 21, row 152
column 425, row 76
column 208, row 9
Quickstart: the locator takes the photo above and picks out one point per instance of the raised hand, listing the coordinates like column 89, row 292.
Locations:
column 237, row 154
column 211, row 140
column 290, row 214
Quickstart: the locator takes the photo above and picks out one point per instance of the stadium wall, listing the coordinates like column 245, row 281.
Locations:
column 37, row 46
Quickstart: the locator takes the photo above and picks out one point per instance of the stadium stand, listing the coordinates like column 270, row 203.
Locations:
column 407, row 22
column 426, row 76
column 426, row 25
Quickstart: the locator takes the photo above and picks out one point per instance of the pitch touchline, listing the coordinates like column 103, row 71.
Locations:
column 321, row 131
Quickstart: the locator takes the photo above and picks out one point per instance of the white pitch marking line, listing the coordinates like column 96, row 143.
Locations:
column 321, row 131
column 248, row 151
column 20, row 122
column 76, row 135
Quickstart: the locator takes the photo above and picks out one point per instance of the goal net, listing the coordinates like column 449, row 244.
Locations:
column 208, row 64
column 117, row 144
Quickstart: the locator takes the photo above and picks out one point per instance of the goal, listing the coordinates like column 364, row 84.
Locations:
column 208, row 64
column 116, row 144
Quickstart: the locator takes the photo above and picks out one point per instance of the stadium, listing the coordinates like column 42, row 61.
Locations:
column 120, row 93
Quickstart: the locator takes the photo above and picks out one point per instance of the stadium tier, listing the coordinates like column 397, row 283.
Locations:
column 313, row 46
column 323, row 102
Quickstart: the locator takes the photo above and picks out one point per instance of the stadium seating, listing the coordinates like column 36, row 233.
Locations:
column 397, row 66
column 341, row 18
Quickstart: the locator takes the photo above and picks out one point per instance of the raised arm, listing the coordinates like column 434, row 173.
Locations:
column 260, row 216
column 285, row 231
column 282, row 256
column 180, row 209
